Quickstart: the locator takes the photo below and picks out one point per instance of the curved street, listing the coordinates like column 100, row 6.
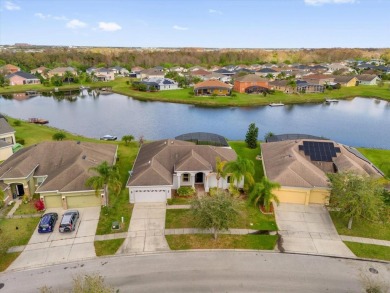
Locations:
column 209, row 271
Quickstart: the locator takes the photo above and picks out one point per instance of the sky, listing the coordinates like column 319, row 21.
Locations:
column 197, row 23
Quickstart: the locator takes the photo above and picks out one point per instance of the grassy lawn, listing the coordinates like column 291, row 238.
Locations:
column 243, row 151
column 107, row 247
column 180, row 200
column 369, row 250
column 27, row 209
column 361, row 228
column 10, row 236
column 248, row 214
column 206, row 241
column 380, row 158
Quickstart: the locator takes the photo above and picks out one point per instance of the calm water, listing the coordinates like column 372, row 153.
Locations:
column 358, row 122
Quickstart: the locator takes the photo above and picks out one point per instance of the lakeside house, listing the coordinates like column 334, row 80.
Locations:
column 160, row 84
column 320, row 79
column 368, row 79
column 165, row 165
column 7, row 139
column 250, row 83
column 57, row 171
column 60, row 71
column 346, row 80
column 9, row 69
column 40, row 70
column 151, row 73
column 212, row 87
column 21, row 77
column 300, row 165
column 281, row 85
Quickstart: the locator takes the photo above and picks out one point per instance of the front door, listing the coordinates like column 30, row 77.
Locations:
column 19, row 189
column 199, row 178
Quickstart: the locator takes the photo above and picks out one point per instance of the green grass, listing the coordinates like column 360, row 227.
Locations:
column 27, row 209
column 243, row 151
column 380, row 158
column 361, row 228
column 206, row 241
column 180, row 200
column 369, row 250
column 248, row 214
column 107, row 247
column 10, row 236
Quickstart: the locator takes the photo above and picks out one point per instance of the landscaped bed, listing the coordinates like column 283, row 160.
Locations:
column 369, row 250
column 206, row 241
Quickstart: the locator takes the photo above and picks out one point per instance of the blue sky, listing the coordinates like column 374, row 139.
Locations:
column 188, row 23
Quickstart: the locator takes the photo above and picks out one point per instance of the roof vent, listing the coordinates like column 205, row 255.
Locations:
column 84, row 157
column 149, row 162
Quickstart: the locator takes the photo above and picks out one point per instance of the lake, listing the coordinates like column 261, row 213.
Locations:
column 356, row 122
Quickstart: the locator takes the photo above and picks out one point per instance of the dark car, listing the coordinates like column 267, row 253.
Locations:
column 47, row 222
column 108, row 137
column 69, row 221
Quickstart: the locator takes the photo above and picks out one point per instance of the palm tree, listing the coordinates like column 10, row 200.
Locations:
column 108, row 179
column 68, row 76
column 219, row 166
column 241, row 168
column 127, row 138
column 262, row 193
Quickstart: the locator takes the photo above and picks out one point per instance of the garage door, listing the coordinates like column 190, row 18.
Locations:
column 53, row 201
column 291, row 196
column 83, row 201
column 150, row 196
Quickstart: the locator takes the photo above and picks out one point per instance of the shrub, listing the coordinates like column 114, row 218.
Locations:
column 20, row 140
column 39, row 205
column 25, row 198
column 17, row 123
column 186, row 191
column 59, row 136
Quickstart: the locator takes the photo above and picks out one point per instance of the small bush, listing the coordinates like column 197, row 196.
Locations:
column 39, row 205
column 186, row 191
column 25, row 198
column 17, row 123
column 59, row 136
column 20, row 140
column 169, row 201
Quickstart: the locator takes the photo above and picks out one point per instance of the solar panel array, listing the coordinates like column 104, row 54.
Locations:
column 319, row 151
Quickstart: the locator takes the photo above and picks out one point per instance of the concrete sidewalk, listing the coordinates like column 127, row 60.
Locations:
column 146, row 230
column 365, row 240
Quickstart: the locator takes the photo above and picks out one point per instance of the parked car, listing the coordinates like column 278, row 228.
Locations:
column 47, row 222
column 108, row 137
column 69, row 221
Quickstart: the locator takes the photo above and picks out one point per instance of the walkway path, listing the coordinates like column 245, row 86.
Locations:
column 365, row 240
column 14, row 208
column 146, row 230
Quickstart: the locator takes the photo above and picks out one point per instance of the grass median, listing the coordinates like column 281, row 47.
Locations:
column 369, row 250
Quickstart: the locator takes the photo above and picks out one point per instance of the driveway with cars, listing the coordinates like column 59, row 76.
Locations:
column 56, row 247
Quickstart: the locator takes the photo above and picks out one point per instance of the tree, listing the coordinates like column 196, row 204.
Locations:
column 56, row 80
column 3, row 81
column 219, row 168
column 127, row 138
column 269, row 76
column 268, row 135
column 356, row 196
column 1, row 198
column 59, row 136
column 262, row 193
column 239, row 169
column 107, row 178
column 68, row 76
column 251, row 136
column 292, row 83
column 216, row 213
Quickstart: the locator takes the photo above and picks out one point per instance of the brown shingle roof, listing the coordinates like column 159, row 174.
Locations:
column 343, row 78
column 157, row 161
column 366, row 77
column 66, row 163
column 211, row 84
column 5, row 127
column 251, row 78
column 287, row 165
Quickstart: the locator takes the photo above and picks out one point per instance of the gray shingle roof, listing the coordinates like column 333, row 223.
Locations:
column 5, row 127
column 23, row 74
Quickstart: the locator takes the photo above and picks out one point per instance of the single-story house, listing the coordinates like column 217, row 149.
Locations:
column 212, row 87
column 166, row 165
column 320, row 79
column 201, row 73
column 7, row 139
column 281, row 85
column 225, row 72
column 300, row 167
column 151, row 73
column 21, row 77
column 41, row 70
column 217, row 76
column 119, row 70
column 9, row 69
column 57, row 171
column 346, row 80
column 306, row 87
column 368, row 79
column 241, row 84
column 266, row 71
column 160, row 84
column 60, row 71
column 137, row 69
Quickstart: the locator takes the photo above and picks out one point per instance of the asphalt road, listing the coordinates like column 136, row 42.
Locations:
column 217, row 271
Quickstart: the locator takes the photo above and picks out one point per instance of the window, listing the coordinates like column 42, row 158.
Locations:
column 186, row 177
column 228, row 179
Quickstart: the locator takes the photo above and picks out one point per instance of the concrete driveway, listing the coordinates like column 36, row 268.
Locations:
column 309, row 229
column 56, row 247
column 146, row 230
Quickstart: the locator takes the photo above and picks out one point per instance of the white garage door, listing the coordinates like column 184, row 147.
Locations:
column 157, row 195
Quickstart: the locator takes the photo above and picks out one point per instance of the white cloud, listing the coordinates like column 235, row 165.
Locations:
column 109, row 26
column 321, row 2
column 11, row 6
column 49, row 16
column 213, row 11
column 75, row 23
column 180, row 28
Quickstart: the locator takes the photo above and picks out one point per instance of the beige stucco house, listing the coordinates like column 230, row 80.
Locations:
column 7, row 139
column 57, row 171
column 300, row 167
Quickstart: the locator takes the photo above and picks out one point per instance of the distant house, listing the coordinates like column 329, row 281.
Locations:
column 151, row 73
column 306, row 87
column 7, row 139
column 118, row 70
column 160, row 84
column 193, row 68
column 137, row 69
column 40, row 70
column 21, row 77
column 246, row 83
column 217, row 76
column 201, row 73
column 225, row 72
column 104, row 74
column 91, row 70
column 178, row 69
column 212, row 87
column 265, row 71
column 9, row 69
column 320, row 79
column 338, row 66
column 346, row 80
column 368, row 79
column 60, row 71
column 281, row 85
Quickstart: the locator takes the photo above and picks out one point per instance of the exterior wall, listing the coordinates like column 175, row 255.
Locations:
column 240, row 86
column 16, row 80
column 71, row 199
column 29, row 187
column 8, row 137
column 165, row 87
column 352, row 82
column 146, row 191
column 372, row 82
column 5, row 152
column 212, row 91
column 302, row 195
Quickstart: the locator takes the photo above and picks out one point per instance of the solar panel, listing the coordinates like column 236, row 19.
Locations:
column 319, row 151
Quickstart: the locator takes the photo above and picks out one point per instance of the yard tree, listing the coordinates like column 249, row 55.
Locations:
column 252, row 135
column 1, row 198
column 239, row 169
column 107, row 178
column 219, row 169
column 268, row 135
column 216, row 213
column 59, row 136
column 356, row 196
column 262, row 193
column 127, row 138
